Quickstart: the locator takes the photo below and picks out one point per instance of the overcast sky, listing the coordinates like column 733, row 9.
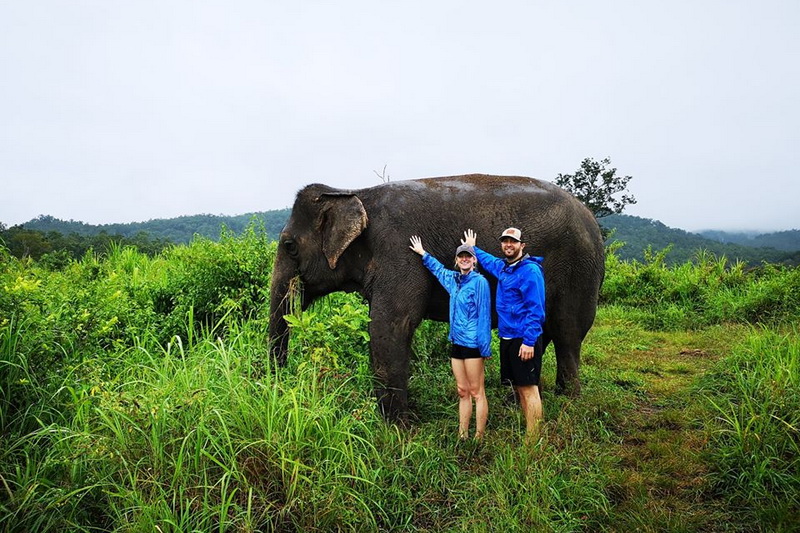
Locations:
column 123, row 111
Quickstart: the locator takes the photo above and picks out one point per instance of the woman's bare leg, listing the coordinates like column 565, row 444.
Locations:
column 477, row 391
column 464, row 398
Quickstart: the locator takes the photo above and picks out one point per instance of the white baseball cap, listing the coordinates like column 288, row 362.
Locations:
column 514, row 233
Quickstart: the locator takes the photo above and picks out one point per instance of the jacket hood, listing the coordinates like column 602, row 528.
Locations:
column 528, row 259
column 534, row 258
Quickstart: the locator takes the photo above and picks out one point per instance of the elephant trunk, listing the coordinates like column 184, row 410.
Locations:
column 284, row 292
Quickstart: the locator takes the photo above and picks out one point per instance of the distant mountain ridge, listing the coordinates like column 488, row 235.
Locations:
column 179, row 230
column 788, row 241
column 637, row 233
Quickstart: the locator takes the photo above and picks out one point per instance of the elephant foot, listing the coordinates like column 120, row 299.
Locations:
column 570, row 387
column 278, row 358
column 393, row 406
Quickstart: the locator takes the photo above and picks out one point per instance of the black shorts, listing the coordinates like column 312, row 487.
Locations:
column 462, row 352
column 515, row 371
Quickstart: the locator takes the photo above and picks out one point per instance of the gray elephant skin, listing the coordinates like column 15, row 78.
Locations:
column 357, row 241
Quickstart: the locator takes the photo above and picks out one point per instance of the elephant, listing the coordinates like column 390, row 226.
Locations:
column 357, row 241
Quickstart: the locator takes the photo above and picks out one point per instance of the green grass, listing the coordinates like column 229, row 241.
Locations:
column 198, row 439
column 755, row 449
column 135, row 395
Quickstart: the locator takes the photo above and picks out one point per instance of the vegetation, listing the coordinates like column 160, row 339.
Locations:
column 136, row 395
column 57, row 249
column 640, row 235
column 788, row 241
column 71, row 240
column 700, row 293
column 179, row 230
column 596, row 186
column 755, row 451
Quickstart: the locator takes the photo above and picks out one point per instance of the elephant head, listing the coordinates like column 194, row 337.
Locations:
column 323, row 224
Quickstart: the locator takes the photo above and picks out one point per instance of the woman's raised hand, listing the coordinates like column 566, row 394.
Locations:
column 416, row 245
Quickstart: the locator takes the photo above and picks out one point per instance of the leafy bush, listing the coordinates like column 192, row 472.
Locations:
column 702, row 292
column 332, row 334
column 53, row 320
column 209, row 282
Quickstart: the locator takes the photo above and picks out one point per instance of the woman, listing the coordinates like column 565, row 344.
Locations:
column 470, row 331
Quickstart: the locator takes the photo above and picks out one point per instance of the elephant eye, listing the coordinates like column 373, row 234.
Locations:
column 291, row 247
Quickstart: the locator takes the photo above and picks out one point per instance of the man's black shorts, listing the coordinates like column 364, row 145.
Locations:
column 462, row 352
column 515, row 371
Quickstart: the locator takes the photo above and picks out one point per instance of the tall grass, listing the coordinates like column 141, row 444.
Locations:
column 708, row 290
column 191, row 440
column 756, row 435
column 195, row 440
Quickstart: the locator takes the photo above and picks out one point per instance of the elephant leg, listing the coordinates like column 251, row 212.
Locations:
column 568, row 357
column 567, row 325
column 546, row 340
column 391, row 330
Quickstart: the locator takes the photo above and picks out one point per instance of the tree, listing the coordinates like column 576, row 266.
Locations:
column 595, row 186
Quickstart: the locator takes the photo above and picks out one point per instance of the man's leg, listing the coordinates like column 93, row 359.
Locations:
column 531, row 404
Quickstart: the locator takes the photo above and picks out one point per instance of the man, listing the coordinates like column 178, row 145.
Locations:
column 520, row 311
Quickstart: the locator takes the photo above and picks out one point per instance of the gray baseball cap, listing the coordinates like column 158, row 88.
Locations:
column 465, row 248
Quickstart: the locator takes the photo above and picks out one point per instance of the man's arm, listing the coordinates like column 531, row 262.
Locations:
column 533, row 299
column 488, row 262
column 493, row 265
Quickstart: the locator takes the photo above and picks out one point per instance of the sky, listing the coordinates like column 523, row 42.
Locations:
column 118, row 111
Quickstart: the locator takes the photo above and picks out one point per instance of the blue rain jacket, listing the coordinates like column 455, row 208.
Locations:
column 470, row 306
column 520, row 295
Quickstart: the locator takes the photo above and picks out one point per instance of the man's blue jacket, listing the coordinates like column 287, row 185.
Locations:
column 470, row 306
column 520, row 295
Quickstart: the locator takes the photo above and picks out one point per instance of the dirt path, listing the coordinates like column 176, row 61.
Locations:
column 663, row 478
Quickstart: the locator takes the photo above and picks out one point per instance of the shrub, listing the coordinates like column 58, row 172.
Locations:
column 701, row 292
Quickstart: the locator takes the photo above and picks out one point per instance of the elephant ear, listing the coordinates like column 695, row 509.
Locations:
column 343, row 218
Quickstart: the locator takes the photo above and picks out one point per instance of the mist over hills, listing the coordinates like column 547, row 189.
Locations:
column 640, row 233
column 637, row 234
column 780, row 240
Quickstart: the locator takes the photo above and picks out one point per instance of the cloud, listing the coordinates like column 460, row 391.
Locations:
column 126, row 112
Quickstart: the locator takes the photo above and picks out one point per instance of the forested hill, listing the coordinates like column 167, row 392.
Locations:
column 637, row 233
column 177, row 230
column 782, row 240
